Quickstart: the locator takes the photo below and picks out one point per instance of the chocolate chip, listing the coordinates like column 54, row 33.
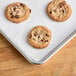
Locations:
column 16, row 16
column 22, row 4
column 55, row 10
column 63, row 11
column 30, row 10
column 46, row 40
column 12, row 16
column 47, row 35
column 50, row 12
column 42, row 40
column 11, row 13
column 35, row 34
column 60, row 5
column 14, row 9
column 38, row 36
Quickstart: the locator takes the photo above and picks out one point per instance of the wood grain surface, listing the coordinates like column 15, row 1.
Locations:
column 12, row 63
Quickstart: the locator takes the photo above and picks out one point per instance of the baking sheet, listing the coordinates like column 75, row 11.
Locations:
column 17, row 33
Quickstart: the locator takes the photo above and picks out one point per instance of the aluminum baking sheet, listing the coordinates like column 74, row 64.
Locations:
column 17, row 33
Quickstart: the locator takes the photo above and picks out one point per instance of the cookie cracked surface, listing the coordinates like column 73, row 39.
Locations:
column 17, row 12
column 39, row 37
column 59, row 10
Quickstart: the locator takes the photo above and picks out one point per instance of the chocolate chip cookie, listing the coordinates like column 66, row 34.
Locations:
column 59, row 10
column 17, row 12
column 39, row 37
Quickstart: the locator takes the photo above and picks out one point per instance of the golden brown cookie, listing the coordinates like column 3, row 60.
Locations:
column 39, row 37
column 59, row 10
column 17, row 12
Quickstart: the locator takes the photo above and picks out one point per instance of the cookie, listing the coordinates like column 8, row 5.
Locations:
column 59, row 10
column 17, row 12
column 39, row 37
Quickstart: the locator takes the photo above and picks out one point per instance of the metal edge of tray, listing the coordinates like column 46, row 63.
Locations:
column 57, row 48
column 28, row 58
column 49, row 55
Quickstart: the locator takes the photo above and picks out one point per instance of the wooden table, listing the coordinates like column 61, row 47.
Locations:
column 12, row 63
